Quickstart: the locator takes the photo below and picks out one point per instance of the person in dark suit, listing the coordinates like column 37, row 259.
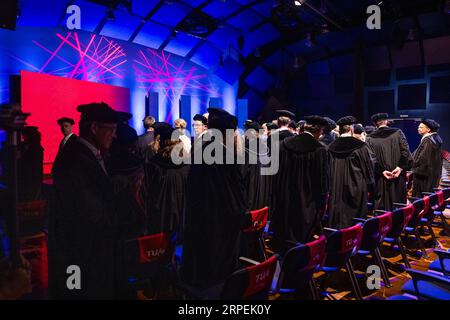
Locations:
column 66, row 125
column 144, row 141
column 83, row 228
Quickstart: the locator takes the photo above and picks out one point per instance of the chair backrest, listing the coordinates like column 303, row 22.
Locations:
column 400, row 219
column 441, row 200
column 300, row 263
column 375, row 230
column 251, row 283
column 155, row 247
column 258, row 220
column 342, row 245
column 433, row 204
column 419, row 208
column 34, row 249
column 446, row 192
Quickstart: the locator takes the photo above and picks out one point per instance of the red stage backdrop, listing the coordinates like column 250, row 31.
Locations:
column 49, row 98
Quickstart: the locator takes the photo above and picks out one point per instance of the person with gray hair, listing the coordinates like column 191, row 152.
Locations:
column 144, row 141
column 427, row 159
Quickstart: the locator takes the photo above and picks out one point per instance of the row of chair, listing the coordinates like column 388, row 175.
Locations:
column 295, row 270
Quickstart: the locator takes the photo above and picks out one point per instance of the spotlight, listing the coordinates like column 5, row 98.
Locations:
column 298, row 3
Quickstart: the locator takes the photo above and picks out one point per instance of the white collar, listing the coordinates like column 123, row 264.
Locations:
column 309, row 133
column 67, row 137
column 283, row 129
column 345, row 135
column 427, row 135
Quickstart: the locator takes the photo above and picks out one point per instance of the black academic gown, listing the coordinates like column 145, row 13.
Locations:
column 256, row 185
column 216, row 205
column 83, row 228
column 143, row 145
column 299, row 189
column 165, row 195
column 282, row 134
column 427, row 165
column 127, row 177
column 327, row 138
column 257, row 188
column 391, row 150
column 30, row 172
column 352, row 177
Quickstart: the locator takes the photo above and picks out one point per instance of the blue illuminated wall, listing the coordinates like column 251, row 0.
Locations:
column 95, row 57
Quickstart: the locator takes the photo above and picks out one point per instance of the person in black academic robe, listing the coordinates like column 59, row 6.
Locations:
column 256, row 184
column 30, row 165
column 427, row 159
column 143, row 144
column 284, row 119
column 393, row 158
column 352, row 177
column 328, row 136
column 165, row 186
column 257, row 188
column 126, row 169
column 66, row 125
column 300, row 187
column 215, row 208
column 84, row 226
